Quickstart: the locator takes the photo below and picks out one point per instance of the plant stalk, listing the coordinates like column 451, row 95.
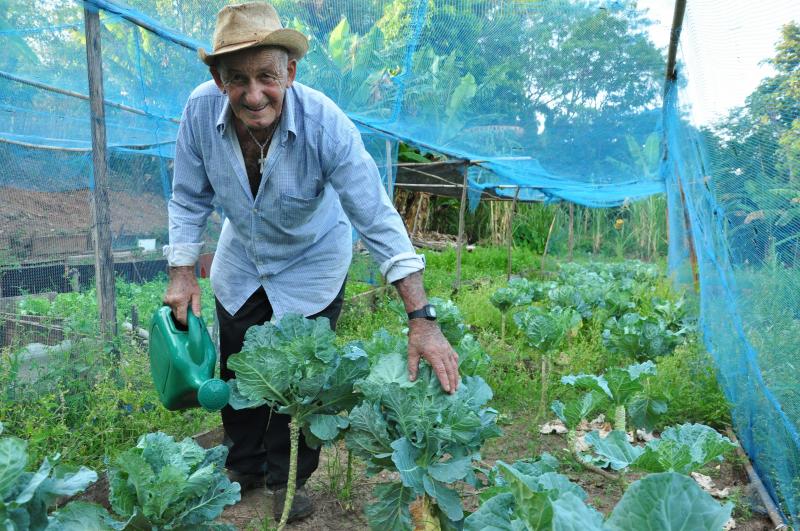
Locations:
column 619, row 418
column 502, row 326
column 543, row 395
column 422, row 517
column 291, row 482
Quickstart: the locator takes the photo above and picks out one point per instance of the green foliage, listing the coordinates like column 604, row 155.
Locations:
column 546, row 330
column 683, row 449
column 623, row 388
column 641, row 338
column 540, row 500
column 415, row 428
column 25, row 497
column 163, row 484
column 295, row 366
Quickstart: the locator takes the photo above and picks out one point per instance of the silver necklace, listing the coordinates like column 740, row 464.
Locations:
column 262, row 159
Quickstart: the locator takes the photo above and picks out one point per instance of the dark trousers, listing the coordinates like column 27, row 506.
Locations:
column 258, row 438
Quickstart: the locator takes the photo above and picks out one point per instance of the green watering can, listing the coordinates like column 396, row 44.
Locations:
column 182, row 364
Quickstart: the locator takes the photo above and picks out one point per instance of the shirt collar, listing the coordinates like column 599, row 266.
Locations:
column 287, row 115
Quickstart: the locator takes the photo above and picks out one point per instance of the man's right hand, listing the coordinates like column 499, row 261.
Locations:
column 182, row 291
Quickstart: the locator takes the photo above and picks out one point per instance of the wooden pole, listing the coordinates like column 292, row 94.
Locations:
column 571, row 230
column 389, row 167
column 460, row 243
column 510, row 235
column 103, row 258
column 547, row 241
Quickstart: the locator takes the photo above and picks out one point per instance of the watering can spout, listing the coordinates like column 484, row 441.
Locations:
column 182, row 364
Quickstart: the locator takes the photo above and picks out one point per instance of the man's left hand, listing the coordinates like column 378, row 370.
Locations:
column 425, row 340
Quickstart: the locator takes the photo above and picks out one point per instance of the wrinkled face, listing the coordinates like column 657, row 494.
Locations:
column 256, row 80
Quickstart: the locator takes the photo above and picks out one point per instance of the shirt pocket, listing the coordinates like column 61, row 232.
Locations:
column 297, row 211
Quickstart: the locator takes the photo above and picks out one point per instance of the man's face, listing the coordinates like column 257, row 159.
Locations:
column 256, row 80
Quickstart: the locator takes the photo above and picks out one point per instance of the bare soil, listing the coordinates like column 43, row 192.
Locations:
column 27, row 213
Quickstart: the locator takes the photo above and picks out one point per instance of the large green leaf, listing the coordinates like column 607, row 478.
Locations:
column 327, row 427
column 644, row 411
column 578, row 409
column 390, row 512
column 81, row 516
column 614, row 448
column 532, row 506
column 13, row 458
column 668, row 502
column 684, row 449
column 570, row 513
column 447, row 499
column 368, row 436
column 495, row 514
column 405, row 458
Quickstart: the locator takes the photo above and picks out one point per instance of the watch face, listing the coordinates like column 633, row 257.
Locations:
column 431, row 311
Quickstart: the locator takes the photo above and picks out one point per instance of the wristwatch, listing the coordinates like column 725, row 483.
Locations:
column 426, row 312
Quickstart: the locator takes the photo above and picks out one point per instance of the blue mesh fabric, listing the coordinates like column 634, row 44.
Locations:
column 562, row 98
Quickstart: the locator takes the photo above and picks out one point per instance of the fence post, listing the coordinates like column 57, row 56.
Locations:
column 460, row 243
column 103, row 258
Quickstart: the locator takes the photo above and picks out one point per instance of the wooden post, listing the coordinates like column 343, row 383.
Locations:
column 103, row 258
column 389, row 164
column 460, row 243
column 547, row 241
column 687, row 230
column 571, row 231
column 510, row 236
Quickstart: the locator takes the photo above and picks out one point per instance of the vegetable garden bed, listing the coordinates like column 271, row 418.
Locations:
column 612, row 339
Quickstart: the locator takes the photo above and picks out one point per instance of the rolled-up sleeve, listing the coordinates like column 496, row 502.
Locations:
column 192, row 196
column 355, row 177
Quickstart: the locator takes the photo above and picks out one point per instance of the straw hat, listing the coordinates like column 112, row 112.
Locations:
column 249, row 25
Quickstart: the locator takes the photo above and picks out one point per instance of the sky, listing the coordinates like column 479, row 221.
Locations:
column 724, row 44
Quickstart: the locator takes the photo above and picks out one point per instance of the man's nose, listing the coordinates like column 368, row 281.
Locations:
column 253, row 96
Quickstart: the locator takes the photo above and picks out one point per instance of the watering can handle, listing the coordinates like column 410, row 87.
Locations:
column 195, row 333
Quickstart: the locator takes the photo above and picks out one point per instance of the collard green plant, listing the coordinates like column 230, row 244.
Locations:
column 506, row 298
column 160, row 484
column 643, row 337
column 622, row 387
column 547, row 330
column 450, row 320
column 25, row 497
column 574, row 411
column 430, row 437
column 539, row 499
column 296, row 368
column 683, row 449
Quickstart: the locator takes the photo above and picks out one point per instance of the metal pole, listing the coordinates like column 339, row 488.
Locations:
column 103, row 258
column 461, row 212
column 510, row 236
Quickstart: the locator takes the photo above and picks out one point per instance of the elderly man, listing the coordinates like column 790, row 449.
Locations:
column 291, row 173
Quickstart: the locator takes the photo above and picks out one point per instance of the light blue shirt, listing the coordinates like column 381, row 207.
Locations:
column 294, row 238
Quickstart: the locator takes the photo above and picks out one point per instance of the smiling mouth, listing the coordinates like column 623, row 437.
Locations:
column 259, row 109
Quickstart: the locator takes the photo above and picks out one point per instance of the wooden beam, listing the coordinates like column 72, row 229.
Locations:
column 461, row 212
column 104, row 260
column 510, row 236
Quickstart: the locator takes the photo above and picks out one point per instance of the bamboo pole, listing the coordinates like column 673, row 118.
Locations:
column 389, row 169
column 461, row 213
column 510, row 228
column 103, row 257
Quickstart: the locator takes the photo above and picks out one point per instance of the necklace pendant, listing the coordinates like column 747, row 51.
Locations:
column 262, row 162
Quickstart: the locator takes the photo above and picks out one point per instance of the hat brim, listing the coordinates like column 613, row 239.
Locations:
column 294, row 41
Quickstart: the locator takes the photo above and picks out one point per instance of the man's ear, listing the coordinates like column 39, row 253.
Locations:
column 291, row 70
column 217, row 77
